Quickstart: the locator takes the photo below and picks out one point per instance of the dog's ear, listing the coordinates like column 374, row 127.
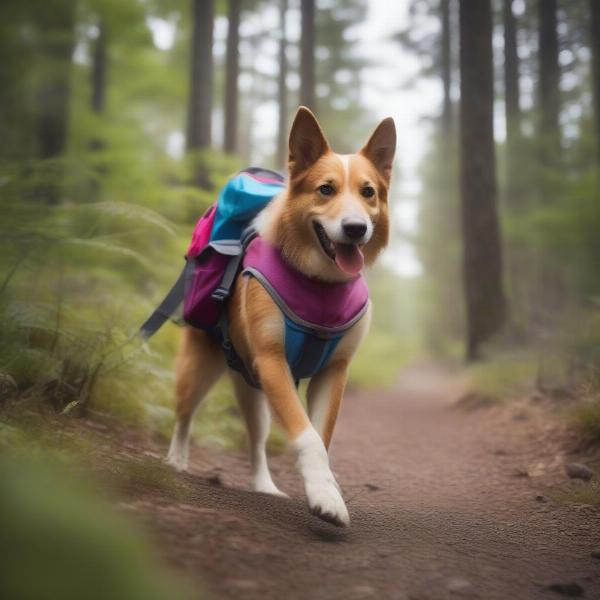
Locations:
column 307, row 142
column 381, row 147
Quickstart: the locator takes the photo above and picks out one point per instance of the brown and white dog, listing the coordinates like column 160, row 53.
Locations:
column 330, row 220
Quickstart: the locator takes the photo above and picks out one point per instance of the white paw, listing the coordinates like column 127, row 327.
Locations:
column 178, row 453
column 268, row 487
column 323, row 493
column 177, row 460
column 326, row 502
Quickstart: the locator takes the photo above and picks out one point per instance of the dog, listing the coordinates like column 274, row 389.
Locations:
column 331, row 220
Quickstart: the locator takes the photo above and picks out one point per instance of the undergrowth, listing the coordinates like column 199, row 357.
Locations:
column 586, row 493
column 503, row 375
column 59, row 532
column 77, row 278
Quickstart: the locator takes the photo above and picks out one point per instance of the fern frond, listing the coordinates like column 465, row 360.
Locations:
column 125, row 210
column 101, row 245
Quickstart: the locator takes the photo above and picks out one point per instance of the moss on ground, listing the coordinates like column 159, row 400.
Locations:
column 503, row 375
column 585, row 493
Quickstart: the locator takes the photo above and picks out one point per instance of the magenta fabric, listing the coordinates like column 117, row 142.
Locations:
column 202, row 231
column 268, row 180
column 199, row 309
column 329, row 305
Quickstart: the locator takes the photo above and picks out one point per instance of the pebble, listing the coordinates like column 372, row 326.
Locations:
column 215, row 479
column 244, row 584
column 520, row 416
column 520, row 472
column 458, row 585
column 363, row 591
column 372, row 487
column 8, row 386
column 541, row 498
column 579, row 471
column 566, row 588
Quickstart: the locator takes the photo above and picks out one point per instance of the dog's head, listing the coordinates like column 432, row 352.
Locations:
column 335, row 215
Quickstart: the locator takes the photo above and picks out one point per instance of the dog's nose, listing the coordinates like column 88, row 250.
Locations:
column 354, row 228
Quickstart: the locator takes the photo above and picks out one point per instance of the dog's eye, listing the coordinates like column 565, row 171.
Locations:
column 368, row 191
column 326, row 189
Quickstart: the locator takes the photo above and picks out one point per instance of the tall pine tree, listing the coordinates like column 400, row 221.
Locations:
column 482, row 252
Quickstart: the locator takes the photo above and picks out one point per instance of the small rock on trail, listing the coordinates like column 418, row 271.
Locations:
column 460, row 587
column 579, row 471
column 372, row 487
column 566, row 588
column 520, row 472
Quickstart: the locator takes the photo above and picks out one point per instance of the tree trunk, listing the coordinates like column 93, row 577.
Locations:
column 549, row 81
column 232, row 71
column 511, row 75
column 482, row 256
column 98, row 84
column 201, row 81
column 513, row 193
column 282, row 95
column 446, row 67
column 307, row 55
column 55, row 89
column 99, row 64
column 595, row 46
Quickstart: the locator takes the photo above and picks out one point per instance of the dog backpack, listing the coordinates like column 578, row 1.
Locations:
column 317, row 314
column 213, row 258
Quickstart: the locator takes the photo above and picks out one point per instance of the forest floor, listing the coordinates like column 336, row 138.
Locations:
column 445, row 502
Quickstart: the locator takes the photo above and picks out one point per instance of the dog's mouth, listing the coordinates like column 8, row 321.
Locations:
column 348, row 257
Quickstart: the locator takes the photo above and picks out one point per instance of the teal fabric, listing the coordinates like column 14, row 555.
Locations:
column 307, row 352
column 242, row 198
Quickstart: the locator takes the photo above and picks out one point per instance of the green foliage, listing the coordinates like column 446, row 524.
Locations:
column 78, row 279
column 506, row 374
column 439, row 246
column 92, row 235
column 380, row 359
column 92, row 239
column 586, row 493
column 393, row 340
column 586, row 417
column 339, row 106
column 60, row 541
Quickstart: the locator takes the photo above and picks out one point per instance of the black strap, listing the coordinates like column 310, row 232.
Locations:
column 167, row 308
column 260, row 171
column 231, row 270
column 232, row 357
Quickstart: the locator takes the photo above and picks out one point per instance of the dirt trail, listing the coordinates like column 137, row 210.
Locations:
column 437, row 505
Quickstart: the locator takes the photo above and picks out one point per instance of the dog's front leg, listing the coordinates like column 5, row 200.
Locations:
column 322, row 490
column 256, row 315
column 324, row 397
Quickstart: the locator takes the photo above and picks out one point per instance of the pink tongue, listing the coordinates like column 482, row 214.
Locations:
column 349, row 258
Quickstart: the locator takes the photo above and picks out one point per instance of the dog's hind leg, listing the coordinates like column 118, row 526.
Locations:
column 200, row 362
column 257, row 415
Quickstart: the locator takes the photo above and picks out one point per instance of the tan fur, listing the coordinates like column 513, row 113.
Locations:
column 256, row 323
column 330, row 382
column 326, row 389
column 290, row 227
column 257, row 331
column 196, row 348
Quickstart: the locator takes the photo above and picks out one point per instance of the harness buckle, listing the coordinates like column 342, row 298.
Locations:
column 220, row 294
